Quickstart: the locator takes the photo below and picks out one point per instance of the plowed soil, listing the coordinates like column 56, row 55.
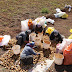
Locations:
column 11, row 26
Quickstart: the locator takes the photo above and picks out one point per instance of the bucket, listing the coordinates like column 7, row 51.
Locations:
column 32, row 37
column 40, row 35
column 37, row 41
column 46, row 44
column 16, row 49
column 58, row 58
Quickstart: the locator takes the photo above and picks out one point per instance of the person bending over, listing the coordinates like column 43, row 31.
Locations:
column 26, row 57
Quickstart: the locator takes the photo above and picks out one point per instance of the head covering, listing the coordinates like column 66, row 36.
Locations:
column 56, row 32
column 50, row 30
column 31, row 44
column 1, row 37
column 28, row 32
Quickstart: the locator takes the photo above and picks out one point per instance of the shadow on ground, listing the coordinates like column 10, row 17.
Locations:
column 63, row 68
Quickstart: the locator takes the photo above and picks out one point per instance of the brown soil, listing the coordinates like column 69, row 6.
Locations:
column 62, row 25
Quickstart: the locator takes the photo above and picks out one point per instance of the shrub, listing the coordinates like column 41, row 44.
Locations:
column 44, row 10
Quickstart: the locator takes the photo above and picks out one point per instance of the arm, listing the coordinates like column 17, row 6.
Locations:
column 52, row 36
column 60, row 38
column 23, row 35
column 32, row 51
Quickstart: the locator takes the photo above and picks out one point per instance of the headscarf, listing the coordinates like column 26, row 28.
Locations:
column 31, row 44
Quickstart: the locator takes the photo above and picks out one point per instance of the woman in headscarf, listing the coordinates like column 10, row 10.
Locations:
column 26, row 55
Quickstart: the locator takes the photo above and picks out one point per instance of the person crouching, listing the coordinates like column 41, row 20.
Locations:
column 26, row 57
column 54, row 35
column 23, row 37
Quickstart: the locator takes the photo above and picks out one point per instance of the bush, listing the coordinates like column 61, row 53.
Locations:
column 44, row 10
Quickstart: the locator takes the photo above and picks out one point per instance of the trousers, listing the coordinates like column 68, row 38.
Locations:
column 26, row 60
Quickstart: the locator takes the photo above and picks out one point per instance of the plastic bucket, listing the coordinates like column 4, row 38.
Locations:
column 32, row 37
column 40, row 35
column 16, row 49
column 37, row 41
column 46, row 44
column 58, row 58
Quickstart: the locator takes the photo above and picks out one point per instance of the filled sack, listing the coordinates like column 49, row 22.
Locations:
column 68, row 55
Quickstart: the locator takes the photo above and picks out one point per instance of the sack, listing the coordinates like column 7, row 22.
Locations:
column 5, row 40
column 50, row 20
column 1, row 37
column 61, row 14
column 24, row 25
column 61, row 46
column 70, row 37
column 68, row 55
column 50, row 30
column 30, row 24
column 65, row 16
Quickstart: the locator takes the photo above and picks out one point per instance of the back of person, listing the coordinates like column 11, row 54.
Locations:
column 26, row 55
column 26, row 50
column 55, row 36
column 38, row 28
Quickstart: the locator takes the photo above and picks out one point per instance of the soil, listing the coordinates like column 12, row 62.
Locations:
column 62, row 25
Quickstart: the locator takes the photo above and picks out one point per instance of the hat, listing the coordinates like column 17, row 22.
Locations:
column 28, row 32
column 31, row 44
column 56, row 32
column 50, row 30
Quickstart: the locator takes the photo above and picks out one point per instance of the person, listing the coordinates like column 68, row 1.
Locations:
column 54, row 35
column 23, row 37
column 26, row 57
column 38, row 29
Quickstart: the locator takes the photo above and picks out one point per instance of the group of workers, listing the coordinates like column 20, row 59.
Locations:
column 26, row 55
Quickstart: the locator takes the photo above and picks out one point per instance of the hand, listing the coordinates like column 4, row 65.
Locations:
column 38, row 53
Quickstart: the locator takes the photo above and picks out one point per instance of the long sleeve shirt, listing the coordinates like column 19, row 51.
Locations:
column 55, row 36
column 23, row 34
column 28, row 51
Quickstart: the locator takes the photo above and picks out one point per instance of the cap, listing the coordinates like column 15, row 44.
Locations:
column 50, row 30
column 32, row 43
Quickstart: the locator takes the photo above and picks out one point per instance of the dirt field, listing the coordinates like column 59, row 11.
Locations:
column 13, row 11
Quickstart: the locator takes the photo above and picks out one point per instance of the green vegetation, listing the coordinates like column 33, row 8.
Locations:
column 44, row 10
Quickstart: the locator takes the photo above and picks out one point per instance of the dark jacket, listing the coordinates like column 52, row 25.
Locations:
column 38, row 29
column 24, row 35
column 55, row 35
